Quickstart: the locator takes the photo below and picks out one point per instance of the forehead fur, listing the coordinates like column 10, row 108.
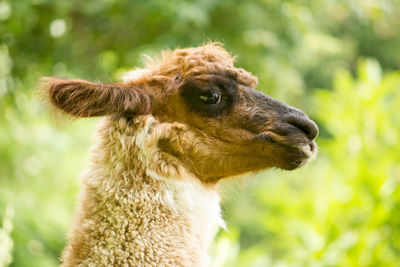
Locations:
column 191, row 62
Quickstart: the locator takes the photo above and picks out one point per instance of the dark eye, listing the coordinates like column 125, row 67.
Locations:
column 211, row 98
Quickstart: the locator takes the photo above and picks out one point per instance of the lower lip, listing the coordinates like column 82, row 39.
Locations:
column 312, row 146
column 308, row 149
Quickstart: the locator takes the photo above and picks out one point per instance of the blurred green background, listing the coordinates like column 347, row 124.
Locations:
column 336, row 60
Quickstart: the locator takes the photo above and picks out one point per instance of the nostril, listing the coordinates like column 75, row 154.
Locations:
column 307, row 126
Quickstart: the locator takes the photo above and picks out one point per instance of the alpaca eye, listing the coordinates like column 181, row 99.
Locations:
column 211, row 98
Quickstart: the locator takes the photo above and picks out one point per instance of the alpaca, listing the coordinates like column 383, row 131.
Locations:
column 171, row 131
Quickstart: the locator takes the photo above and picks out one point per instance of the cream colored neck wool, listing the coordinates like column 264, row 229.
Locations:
column 139, row 207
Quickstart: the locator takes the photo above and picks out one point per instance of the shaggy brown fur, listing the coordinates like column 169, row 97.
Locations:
column 85, row 99
column 172, row 130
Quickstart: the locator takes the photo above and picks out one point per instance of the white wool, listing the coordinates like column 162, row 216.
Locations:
column 140, row 140
column 190, row 195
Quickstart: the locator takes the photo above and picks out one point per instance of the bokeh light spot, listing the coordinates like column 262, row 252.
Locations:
column 57, row 28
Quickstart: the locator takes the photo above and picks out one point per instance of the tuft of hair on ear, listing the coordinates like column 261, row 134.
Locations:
column 81, row 98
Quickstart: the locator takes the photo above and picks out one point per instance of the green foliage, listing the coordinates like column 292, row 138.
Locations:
column 341, row 210
column 6, row 243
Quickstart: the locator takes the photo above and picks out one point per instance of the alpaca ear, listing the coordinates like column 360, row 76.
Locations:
column 86, row 99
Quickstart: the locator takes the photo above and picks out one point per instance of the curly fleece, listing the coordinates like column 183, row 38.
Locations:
column 150, row 213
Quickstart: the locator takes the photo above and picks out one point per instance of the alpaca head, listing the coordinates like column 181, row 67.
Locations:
column 230, row 128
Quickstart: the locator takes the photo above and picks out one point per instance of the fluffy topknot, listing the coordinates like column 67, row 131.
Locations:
column 210, row 58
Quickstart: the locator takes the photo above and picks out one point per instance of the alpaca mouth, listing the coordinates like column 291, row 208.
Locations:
column 298, row 155
column 295, row 150
column 310, row 149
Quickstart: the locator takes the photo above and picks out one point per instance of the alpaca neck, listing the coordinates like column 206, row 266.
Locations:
column 139, row 210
